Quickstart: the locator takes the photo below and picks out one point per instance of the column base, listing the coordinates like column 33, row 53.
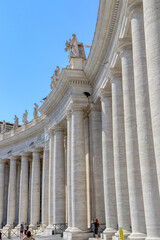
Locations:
column 108, row 233
column 137, row 236
column 77, row 235
column 48, row 230
column 125, row 234
column 8, row 226
column 154, row 238
column 68, row 229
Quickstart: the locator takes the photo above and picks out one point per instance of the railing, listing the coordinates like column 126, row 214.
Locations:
column 59, row 228
column 15, row 232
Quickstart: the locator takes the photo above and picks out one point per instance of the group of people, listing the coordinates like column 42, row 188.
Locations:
column 24, row 229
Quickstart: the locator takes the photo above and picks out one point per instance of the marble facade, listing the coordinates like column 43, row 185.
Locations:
column 94, row 151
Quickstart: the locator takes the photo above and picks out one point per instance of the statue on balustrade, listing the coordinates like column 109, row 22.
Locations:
column 55, row 78
column 25, row 115
column 35, row 112
column 16, row 119
column 75, row 48
column 3, row 127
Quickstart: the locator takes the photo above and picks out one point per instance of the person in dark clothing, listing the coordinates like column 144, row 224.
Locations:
column 0, row 235
column 96, row 226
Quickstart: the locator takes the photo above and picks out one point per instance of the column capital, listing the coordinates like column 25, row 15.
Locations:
column 134, row 6
column 68, row 114
column 124, row 45
column 36, row 150
column 115, row 74
column 13, row 158
column 58, row 129
column 25, row 154
column 94, row 107
column 76, row 107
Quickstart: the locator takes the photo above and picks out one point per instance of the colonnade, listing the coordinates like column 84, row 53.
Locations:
column 109, row 167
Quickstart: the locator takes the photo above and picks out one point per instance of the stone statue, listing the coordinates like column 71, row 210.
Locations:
column 55, row 78
column 76, row 49
column 35, row 112
column 25, row 115
column 16, row 119
column 3, row 127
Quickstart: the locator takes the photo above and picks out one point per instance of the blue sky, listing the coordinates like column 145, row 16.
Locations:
column 32, row 40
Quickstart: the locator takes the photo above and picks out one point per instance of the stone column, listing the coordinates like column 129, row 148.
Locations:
column 11, row 210
column 79, row 200
column 108, row 164
column 151, row 11
column 132, row 151
column 95, row 123
column 18, row 191
column 23, row 198
column 120, row 168
column 50, row 194
column 59, row 177
column 69, row 194
column 88, row 168
column 2, row 168
column 144, row 126
column 6, row 184
column 35, row 188
column 45, row 187
column 29, row 190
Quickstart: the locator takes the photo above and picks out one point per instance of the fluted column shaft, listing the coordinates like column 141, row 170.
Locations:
column 51, row 163
column 79, row 200
column 59, row 177
column 151, row 11
column 108, row 163
column 132, row 151
column 2, row 168
column 69, row 193
column 121, row 181
column 144, row 128
column 95, row 123
column 11, row 210
column 45, row 183
column 35, row 188
column 23, row 198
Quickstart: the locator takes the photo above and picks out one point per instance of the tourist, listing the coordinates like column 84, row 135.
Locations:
column 21, row 231
column 0, row 235
column 25, row 228
column 96, row 226
column 28, row 236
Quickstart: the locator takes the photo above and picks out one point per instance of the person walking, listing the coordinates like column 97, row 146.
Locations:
column 21, row 231
column 28, row 236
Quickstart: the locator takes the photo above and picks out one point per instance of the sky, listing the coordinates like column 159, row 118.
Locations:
column 32, row 41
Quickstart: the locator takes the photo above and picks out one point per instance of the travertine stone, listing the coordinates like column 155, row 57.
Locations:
column 79, row 203
column 50, row 194
column 95, row 124
column 11, row 210
column 108, row 164
column 23, row 198
column 6, row 183
column 45, row 188
column 132, row 151
column 2, row 168
column 121, row 181
column 35, row 188
column 88, row 177
column 29, row 191
column 17, row 192
column 59, row 177
column 152, row 39
column 69, row 193
column 144, row 128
